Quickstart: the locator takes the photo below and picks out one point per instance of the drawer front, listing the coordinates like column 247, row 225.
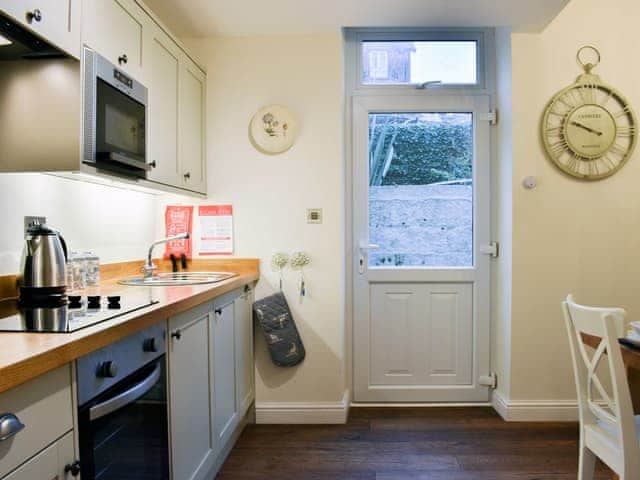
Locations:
column 48, row 464
column 44, row 406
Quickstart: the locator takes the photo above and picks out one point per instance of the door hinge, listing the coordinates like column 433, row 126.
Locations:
column 492, row 249
column 490, row 380
column 491, row 117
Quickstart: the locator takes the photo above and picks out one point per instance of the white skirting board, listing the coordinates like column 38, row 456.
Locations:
column 304, row 412
column 535, row 410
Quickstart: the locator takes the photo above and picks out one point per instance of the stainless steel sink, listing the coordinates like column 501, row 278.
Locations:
column 179, row 278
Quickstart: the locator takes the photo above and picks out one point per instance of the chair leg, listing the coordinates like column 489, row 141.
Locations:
column 587, row 464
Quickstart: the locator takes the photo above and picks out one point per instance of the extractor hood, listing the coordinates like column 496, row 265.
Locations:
column 16, row 43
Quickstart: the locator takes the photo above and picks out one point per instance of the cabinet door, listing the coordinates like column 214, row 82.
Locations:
column 115, row 29
column 244, row 351
column 192, row 127
column 57, row 21
column 164, row 62
column 189, row 393
column 224, row 388
column 49, row 464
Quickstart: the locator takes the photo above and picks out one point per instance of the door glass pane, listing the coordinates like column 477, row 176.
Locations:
column 421, row 189
column 401, row 62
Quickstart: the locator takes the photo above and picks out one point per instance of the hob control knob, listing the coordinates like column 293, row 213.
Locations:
column 149, row 345
column 93, row 301
column 114, row 301
column 107, row 369
column 75, row 301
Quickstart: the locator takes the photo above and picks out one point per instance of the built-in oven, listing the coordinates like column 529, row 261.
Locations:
column 122, row 414
column 115, row 118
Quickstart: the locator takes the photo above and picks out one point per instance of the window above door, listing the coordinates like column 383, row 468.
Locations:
column 420, row 59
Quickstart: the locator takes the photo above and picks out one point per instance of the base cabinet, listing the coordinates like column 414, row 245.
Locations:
column 225, row 413
column 245, row 380
column 211, row 382
column 189, row 389
column 49, row 464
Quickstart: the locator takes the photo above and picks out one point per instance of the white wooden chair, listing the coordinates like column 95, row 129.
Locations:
column 607, row 425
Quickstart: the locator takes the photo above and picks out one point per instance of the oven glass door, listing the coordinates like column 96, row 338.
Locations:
column 120, row 124
column 124, row 432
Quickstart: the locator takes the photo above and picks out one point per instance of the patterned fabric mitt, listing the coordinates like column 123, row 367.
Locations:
column 279, row 330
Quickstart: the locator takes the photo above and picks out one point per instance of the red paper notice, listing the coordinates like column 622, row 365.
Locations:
column 178, row 219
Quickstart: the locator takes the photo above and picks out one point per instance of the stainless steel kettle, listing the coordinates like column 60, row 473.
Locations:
column 43, row 272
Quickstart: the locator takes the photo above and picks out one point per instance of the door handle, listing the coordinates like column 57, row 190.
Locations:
column 125, row 398
column 368, row 246
column 363, row 249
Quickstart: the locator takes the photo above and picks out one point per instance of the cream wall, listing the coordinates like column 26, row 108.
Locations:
column 270, row 194
column 115, row 223
column 568, row 235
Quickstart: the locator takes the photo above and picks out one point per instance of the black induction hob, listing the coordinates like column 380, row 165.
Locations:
column 80, row 312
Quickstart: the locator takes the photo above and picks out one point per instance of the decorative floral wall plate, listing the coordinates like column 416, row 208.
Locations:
column 273, row 129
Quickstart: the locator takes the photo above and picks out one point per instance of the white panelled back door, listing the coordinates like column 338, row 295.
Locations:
column 421, row 215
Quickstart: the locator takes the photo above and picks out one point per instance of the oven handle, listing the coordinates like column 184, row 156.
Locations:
column 125, row 398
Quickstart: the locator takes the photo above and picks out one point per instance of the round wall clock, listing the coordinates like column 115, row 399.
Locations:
column 589, row 129
column 273, row 129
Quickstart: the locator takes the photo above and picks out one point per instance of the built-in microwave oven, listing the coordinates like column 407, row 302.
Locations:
column 115, row 118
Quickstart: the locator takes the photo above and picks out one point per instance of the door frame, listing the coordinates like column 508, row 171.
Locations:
column 351, row 42
column 478, row 275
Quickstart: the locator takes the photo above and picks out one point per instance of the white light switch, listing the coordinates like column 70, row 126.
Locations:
column 314, row 215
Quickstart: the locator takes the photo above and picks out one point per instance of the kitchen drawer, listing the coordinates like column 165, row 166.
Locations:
column 48, row 464
column 44, row 406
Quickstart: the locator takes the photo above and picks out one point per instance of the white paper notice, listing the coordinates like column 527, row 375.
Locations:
column 216, row 229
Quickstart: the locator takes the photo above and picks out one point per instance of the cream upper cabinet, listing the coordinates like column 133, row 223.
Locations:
column 164, row 62
column 192, row 127
column 116, row 29
column 57, row 21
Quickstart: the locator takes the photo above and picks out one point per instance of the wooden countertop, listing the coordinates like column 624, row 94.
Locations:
column 24, row 356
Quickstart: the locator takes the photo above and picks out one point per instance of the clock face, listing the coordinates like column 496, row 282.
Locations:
column 589, row 130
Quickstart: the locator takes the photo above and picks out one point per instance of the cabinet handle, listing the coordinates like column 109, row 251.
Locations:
column 176, row 334
column 187, row 175
column 154, row 164
column 122, row 59
column 73, row 468
column 9, row 426
column 218, row 311
column 36, row 15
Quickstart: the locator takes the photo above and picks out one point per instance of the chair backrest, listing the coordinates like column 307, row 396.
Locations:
column 598, row 406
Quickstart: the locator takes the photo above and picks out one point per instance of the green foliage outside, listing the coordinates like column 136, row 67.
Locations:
column 420, row 149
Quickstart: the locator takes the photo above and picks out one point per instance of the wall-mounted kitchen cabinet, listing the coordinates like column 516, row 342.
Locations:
column 165, row 67
column 129, row 36
column 177, row 112
column 115, row 29
column 57, row 21
column 192, row 126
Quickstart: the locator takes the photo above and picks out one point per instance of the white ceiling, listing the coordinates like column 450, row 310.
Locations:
column 206, row 18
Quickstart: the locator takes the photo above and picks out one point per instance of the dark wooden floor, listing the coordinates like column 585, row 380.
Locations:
column 408, row 443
